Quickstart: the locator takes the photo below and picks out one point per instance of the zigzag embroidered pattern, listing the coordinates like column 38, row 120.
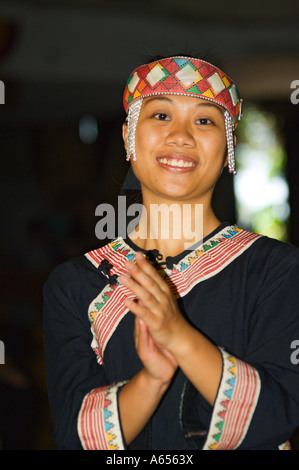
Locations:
column 98, row 424
column 211, row 258
column 228, row 392
column 107, row 309
column 235, row 404
column 108, row 425
column 110, row 418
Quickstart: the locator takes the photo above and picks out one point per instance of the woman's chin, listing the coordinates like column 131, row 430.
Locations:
column 176, row 194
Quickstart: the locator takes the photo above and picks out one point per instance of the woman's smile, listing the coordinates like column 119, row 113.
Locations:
column 177, row 163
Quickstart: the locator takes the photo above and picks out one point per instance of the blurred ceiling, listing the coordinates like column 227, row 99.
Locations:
column 62, row 58
column 230, row 10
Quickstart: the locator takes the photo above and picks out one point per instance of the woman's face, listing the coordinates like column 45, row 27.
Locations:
column 180, row 147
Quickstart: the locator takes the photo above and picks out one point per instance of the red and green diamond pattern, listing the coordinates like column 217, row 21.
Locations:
column 184, row 76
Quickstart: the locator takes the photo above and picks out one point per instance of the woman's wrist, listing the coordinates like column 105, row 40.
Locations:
column 180, row 338
column 138, row 400
column 153, row 385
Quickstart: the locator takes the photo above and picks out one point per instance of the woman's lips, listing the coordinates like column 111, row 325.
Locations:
column 177, row 163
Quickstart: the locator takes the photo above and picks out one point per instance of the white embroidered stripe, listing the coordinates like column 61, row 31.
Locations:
column 91, row 428
column 116, row 258
column 106, row 323
column 98, row 420
column 213, row 263
column 241, row 406
column 235, row 404
column 96, row 256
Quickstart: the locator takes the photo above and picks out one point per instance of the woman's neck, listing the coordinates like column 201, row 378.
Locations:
column 173, row 227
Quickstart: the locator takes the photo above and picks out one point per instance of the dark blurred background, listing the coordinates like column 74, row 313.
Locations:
column 64, row 64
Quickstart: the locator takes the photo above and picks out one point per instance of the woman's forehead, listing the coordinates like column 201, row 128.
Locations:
column 179, row 100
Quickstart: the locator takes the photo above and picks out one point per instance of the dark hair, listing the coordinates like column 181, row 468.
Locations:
column 206, row 56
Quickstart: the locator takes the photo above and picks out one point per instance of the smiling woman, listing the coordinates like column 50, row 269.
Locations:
column 162, row 343
column 180, row 154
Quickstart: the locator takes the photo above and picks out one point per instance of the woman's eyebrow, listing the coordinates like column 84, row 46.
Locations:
column 159, row 98
column 210, row 105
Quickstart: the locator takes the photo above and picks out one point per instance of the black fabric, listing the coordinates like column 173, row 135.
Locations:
column 250, row 308
column 130, row 182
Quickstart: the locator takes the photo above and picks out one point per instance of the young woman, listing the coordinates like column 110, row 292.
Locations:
column 157, row 342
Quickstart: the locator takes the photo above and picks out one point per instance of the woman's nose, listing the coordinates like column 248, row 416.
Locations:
column 180, row 135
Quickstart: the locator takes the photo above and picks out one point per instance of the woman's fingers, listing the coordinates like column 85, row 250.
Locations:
column 144, row 282
column 145, row 273
column 139, row 332
column 148, row 269
column 138, row 309
column 144, row 296
column 158, row 363
column 136, row 332
column 155, row 306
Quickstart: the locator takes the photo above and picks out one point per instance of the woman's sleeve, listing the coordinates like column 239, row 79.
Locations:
column 84, row 406
column 257, row 405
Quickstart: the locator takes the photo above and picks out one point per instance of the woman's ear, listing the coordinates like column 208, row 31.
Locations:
column 125, row 134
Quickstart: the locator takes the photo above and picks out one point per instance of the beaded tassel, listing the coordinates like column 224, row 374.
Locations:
column 229, row 127
column 133, row 115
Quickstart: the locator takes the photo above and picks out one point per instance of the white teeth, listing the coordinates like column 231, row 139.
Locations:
column 175, row 162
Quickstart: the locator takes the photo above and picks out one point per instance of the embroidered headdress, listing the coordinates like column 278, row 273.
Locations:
column 182, row 76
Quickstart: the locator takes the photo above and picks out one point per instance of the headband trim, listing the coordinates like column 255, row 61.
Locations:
column 186, row 76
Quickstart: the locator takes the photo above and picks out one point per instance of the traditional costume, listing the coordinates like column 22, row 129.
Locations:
column 238, row 288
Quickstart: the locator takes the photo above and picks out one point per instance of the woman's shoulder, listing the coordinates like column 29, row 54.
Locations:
column 254, row 247
column 78, row 270
column 275, row 248
column 273, row 258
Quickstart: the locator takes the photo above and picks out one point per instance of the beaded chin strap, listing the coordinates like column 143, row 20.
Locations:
column 133, row 115
column 188, row 77
column 229, row 129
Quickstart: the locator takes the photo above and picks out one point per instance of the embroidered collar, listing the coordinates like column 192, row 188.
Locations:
column 119, row 251
column 203, row 245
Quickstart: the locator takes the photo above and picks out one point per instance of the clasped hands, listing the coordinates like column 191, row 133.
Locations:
column 159, row 325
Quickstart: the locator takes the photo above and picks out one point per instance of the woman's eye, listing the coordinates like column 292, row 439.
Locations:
column 161, row 116
column 204, row 121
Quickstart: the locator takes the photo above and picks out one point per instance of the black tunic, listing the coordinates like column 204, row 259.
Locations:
column 238, row 288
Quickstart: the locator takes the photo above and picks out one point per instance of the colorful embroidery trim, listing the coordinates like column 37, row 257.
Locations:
column 285, row 446
column 98, row 422
column 235, row 404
